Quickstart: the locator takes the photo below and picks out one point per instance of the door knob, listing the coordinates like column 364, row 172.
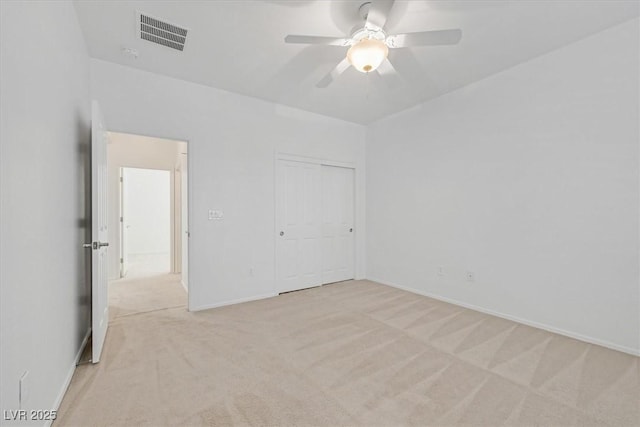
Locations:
column 282, row 233
column 102, row 244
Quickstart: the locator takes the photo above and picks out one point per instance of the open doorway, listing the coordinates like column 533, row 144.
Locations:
column 148, row 212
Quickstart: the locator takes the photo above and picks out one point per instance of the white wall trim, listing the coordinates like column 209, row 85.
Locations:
column 232, row 302
column 315, row 161
column 585, row 338
column 67, row 380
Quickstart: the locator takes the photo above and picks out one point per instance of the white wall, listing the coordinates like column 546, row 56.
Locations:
column 44, row 134
column 232, row 144
column 135, row 151
column 147, row 211
column 529, row 179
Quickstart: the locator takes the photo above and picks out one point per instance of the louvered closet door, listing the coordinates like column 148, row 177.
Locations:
column 337, row 224
column 298, row 225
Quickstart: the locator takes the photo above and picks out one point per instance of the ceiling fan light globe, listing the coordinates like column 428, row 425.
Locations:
column 367, row 55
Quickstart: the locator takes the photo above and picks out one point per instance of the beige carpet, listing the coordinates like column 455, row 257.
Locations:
column 145, row 293
column 353, row 353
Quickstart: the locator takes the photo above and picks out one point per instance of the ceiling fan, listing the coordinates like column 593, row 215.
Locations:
column 369, row 44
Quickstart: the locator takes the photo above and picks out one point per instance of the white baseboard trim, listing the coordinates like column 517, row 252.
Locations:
column 585, row 338
column 235, row 301
column 67, row 380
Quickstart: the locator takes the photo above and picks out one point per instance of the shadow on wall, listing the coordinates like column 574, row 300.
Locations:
column 83, row 274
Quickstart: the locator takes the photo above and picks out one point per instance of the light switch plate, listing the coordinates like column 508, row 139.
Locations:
column 215, row 214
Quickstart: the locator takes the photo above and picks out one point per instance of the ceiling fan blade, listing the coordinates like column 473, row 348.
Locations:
column 340, row 68
column 389, row 74
column 425, row 38
column 378, row 12
column 331, row 41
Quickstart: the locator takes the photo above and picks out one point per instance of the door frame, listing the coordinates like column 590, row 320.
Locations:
column 315, row 161
column 358, row 253
column 124, row 261
column 189, row 223
column 185, row 227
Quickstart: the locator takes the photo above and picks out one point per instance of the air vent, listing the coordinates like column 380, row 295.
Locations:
column 162, row 33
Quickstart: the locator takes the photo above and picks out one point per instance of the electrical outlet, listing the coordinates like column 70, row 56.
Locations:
column 23, row 389
column 471, row 277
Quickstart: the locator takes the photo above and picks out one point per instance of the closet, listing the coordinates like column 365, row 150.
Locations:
column 314, row 224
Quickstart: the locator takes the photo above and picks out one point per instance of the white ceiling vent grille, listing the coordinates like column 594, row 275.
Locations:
column 162, row 33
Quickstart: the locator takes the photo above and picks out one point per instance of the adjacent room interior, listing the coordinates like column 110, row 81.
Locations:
column 320, row 213
column 148, row 213
column 145, row 227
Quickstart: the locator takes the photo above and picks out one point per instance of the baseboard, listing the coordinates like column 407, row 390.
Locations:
column 549, row 328
column 235, row 301
column 67, row 380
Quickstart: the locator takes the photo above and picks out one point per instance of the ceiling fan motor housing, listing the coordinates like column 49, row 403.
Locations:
column 368, row 33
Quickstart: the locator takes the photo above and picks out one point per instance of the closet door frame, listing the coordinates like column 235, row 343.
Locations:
column 321, row 162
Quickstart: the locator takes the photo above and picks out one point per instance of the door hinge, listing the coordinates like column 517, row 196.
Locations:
column 121, row 179
column 120, row 219
column 121, row 260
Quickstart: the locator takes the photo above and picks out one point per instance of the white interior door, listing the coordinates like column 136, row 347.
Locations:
column 298, row 222
column 184, row 218
column 99, row 290
column 337, row 224
column 124, row 228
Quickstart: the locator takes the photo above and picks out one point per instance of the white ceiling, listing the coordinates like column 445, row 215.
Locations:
column 238, row 45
